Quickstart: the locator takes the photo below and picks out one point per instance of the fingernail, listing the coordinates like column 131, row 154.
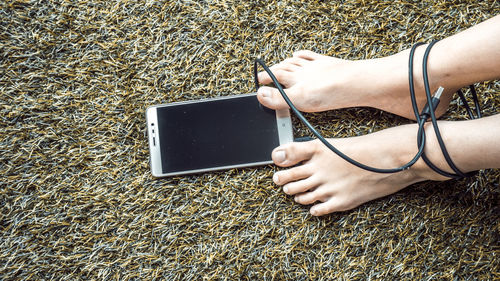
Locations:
column 280, row 156
column 314, row 212
column 285, row 189
column 265, row 93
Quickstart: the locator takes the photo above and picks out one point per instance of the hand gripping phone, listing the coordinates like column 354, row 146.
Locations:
column 214, row 134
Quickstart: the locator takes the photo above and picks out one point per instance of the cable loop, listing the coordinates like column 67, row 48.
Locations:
column 428, row 110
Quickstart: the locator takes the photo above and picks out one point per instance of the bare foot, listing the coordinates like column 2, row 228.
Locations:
column 316, row 82
column 332, row 184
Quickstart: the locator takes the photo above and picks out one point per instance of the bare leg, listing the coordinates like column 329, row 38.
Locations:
column 315, row 83
column 332, row 184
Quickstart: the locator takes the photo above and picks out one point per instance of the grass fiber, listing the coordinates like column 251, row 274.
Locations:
column 77, row 200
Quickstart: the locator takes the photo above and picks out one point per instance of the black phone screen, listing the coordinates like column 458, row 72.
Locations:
column 216, row 133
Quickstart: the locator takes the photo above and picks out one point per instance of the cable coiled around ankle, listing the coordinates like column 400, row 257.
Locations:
column 458, row 174
column 420, row 117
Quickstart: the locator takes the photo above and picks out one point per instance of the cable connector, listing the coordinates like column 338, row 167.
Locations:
column 436, row 98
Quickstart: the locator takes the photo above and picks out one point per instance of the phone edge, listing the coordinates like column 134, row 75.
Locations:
column 284, row 128
column 153, row 141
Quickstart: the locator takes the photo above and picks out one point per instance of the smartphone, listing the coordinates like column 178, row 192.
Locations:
column 214, row 134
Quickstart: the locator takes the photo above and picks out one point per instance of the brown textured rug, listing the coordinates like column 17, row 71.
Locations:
column 77, row 200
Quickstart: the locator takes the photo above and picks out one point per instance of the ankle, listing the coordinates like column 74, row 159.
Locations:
column 388, row 78
column 399, row 145
column 434, row 154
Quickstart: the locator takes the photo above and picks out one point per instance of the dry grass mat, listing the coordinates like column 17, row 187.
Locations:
column 77, row 199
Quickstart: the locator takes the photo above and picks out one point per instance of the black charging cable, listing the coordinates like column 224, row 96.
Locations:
column 432, row 103
column 427, row 112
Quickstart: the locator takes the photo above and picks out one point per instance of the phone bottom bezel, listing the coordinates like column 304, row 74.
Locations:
column 246, row 165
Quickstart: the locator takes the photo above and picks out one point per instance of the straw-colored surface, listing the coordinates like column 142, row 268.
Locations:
column 77, row 199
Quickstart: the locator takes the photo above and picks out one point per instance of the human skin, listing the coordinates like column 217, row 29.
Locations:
column 317, row 83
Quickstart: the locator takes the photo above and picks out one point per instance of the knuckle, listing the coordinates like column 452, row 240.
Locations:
column 316, row 145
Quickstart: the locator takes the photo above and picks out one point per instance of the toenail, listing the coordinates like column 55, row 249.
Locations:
column 265, row 93
column 276, row 178
column 280, row 156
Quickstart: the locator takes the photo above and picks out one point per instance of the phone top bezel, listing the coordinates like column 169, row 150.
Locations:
column 283, row 120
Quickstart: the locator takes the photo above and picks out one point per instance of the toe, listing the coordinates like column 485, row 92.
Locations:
column 293, row 62
column 271, row 97
column 290, row 67
column 307, row 198
column 263, row 77
column 319, row 193
column 300, row 186
column 293, row 174
column 292, row 153
column 283, row 75
column 322, row 209
column 307, row 55
column 334, row 204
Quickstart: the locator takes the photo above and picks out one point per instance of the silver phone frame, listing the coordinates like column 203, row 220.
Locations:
column 283, row 120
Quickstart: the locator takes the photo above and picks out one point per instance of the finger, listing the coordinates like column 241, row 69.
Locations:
column 292, row 153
